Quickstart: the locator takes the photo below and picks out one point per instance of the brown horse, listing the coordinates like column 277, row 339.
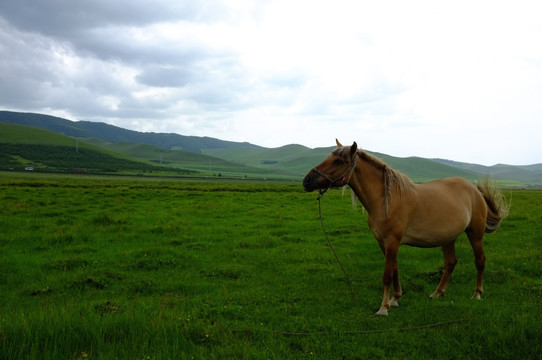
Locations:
column 423, row 215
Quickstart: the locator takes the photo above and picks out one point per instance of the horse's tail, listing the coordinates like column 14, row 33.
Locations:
column 496, row 204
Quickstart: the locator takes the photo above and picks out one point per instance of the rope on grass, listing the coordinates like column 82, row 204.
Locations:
column 348, row 281
column 349, row 332
column 347, row 278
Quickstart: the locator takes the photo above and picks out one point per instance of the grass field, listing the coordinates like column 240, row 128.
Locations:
column 106, row 268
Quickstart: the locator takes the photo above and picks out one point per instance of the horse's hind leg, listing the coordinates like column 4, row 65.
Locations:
column 479, row 261
column 449, row 264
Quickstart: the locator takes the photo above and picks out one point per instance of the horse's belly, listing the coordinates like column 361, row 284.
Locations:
column 426, row 242
column 436, row 222
column 433, row 236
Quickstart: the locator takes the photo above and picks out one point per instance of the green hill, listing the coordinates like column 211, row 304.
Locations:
column 114, row 134
column 24, row 147
column 510, row 174
column 298, row 159
column 20, row 134
column 204, row 164
column 214, row 157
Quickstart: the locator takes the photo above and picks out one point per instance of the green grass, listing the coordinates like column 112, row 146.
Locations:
column 105, row 268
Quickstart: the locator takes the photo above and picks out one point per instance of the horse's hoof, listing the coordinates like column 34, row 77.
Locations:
column 381, row 313
column 394, row 302
column 477, row 296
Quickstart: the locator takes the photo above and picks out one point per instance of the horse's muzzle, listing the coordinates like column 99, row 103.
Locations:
column 311, row 182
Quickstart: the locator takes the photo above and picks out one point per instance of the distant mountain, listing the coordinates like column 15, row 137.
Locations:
column 114, row 134
column 213, row 156
column 526, row 174
column 23, row 146
column 298, row 159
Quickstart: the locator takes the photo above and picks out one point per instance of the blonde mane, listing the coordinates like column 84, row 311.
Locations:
column 393, row 179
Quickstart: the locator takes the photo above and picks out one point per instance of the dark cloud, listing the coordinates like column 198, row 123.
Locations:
column 27, row 68
column 101, row 57
column 92, row 58
column 68, row 19
column 105, row 29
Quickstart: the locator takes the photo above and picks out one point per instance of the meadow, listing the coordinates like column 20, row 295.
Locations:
column 146, row 268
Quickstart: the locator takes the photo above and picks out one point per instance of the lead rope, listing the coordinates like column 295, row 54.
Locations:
column 348, row 281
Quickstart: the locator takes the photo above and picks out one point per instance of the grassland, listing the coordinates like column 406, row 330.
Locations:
column 105, row 268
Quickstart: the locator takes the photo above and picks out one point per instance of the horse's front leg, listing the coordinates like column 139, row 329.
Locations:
column 390, row 270
column 397, row 291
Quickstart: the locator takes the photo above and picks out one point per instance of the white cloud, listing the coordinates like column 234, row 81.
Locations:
column 457, row 80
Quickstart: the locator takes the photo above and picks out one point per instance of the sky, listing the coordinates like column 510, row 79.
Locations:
column 459, row 80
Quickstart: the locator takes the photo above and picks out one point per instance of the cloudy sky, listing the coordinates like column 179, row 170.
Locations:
column 460, row 80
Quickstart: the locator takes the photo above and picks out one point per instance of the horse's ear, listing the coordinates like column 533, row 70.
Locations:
column 353, row 149
column 338, row 143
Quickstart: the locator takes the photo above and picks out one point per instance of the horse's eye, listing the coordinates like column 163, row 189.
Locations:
column 337, row 162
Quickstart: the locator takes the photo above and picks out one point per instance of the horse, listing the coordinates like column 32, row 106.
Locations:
column 424, row 215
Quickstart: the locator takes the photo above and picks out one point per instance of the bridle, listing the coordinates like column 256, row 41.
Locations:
column 348, row 172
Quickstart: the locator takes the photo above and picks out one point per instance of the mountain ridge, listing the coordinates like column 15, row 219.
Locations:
column 292, row 159
column 100, row 130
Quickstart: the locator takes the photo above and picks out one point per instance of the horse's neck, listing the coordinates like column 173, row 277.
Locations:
column 367, row 183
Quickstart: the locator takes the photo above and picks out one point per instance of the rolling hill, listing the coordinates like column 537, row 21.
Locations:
column 298, row 159
column 529, row 174
column 211, row 156
column 114, row 134
column 205, row 165
column 25, row 147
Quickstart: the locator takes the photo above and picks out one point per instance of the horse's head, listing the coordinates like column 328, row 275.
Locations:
column 335, row 171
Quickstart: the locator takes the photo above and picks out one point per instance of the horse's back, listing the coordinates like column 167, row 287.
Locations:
column 453, row 194
column 441, row 210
